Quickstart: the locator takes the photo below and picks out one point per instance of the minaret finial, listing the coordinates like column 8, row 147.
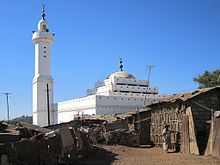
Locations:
column 120, row 65
column 43, row 12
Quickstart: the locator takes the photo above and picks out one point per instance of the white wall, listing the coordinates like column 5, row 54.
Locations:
column 67, row 109
column 117, row 104
column 99, row 104
column 40, row 109
column 112, row 109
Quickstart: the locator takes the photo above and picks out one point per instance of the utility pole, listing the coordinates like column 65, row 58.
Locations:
column 149, row 68
column 138, row 120
column 7, row 103
column 219, row 79
column 48, row 105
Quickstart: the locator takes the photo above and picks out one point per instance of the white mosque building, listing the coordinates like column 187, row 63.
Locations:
column 119, row 92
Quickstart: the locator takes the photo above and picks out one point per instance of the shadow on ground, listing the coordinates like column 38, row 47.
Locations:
column 100, row 157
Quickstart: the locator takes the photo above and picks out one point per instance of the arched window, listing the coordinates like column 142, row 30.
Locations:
column 44, row 28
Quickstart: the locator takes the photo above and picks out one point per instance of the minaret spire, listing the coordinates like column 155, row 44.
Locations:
column 120, row 65
column 43, row 12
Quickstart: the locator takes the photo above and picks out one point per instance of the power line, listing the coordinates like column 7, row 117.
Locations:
column 7, row 94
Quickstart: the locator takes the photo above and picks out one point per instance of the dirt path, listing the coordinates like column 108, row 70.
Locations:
column 121, row 155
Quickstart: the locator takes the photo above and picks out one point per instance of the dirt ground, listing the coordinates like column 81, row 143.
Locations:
column 121, row 155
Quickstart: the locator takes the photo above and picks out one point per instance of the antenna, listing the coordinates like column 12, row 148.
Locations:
column 7, row 94
column 149, row 68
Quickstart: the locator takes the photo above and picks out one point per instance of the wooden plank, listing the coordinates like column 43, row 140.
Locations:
column 216, row 137
column 185, row 134
column 209, row 146
column 193, row 147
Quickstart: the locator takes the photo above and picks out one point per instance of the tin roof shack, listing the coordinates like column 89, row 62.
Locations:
column 187, row 115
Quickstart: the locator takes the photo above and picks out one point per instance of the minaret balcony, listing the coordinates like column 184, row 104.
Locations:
column 42, row 37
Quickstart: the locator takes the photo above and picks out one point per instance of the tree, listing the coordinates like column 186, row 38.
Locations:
column 208, row 79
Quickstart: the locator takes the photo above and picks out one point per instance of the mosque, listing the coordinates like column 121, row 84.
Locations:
column 119, row 92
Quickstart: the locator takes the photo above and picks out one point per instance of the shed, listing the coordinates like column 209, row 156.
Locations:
column 188, row 116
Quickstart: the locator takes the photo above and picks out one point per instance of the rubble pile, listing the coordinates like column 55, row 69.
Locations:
column 122, row 137
column 30, row 144
column 112, row 130
column 64, row 143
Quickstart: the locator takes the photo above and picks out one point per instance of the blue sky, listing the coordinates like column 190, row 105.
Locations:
column 180, row 38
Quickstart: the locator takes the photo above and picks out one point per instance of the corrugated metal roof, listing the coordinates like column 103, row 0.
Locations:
column 36, row 128
column 184, row 96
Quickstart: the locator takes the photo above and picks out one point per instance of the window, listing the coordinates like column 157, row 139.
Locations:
column 44, row 28
column 45, row 52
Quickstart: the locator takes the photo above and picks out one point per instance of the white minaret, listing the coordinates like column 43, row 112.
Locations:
column 43, row 110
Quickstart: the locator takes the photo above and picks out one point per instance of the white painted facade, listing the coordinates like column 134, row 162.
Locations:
column 120, row 92
column 42, row 78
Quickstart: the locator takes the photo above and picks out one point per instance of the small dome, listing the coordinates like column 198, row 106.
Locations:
column 122, row 74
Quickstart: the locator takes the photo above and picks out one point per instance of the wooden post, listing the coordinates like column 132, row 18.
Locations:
column 185, row 134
